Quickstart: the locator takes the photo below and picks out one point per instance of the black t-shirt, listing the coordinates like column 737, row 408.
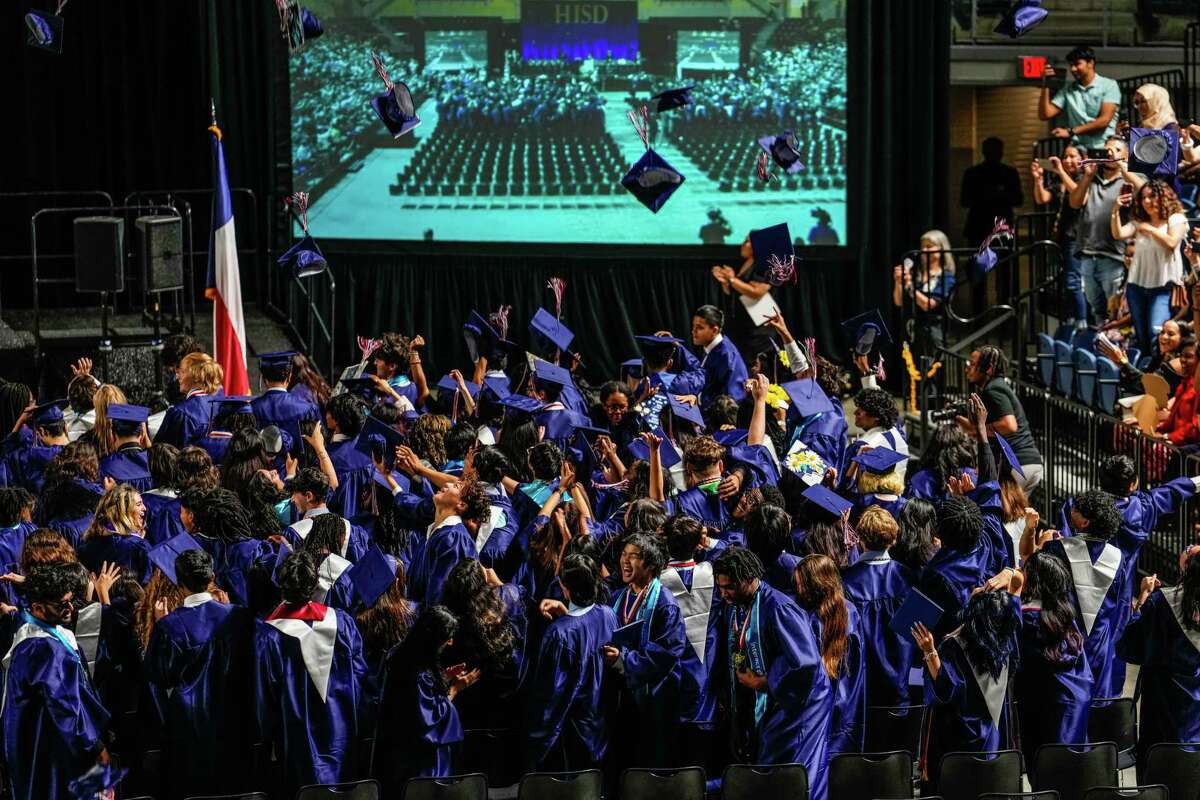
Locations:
column 1000, row 401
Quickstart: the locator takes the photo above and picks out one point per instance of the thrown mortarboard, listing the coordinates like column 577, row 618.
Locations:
column 1021, row 18
column 667, row 453
column 449, row 385
column 163, row 555
column 377, row 439
column 48, row 413
column 280, row 359
column 685, row 411
column 123, row 412
column 100, row 778
column 807, row 398
column 303, row 258
column 395, row 106
column 878, row 460
column 373, row 575
column 45, row 31
column 784, row 150
column 230, row 405
column 275, row 440
column 1006, row 456
column 631, row 368
column 521, row 402
column 303, row 25
column 652, row 180
column 867, row 330
column 361, row 387
column 827, row 500
column 732, row 437
column 550, row 333
column 546, row 372
column 769, row 244
column 483, row 340
column 674, row 98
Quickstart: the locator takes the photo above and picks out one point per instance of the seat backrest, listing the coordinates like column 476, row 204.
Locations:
column 1048, row 794
column 583, row 785
column 492, row 752
column 1127, row 793
column 871, row 775
column 248, row 796
column 754, row 782
column 359, row 790
column 657, row 784
column 1064, row 368
column 1085, row 375
column 1113, row 719
column 894, row 728
column 1045, row 346
column 1073, row 769
column 454, row 787
column 1176, row 766
column 964, row 776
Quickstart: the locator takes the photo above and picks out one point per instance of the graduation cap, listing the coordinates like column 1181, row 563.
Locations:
column 807, row 398
column 827, row 500
column 734, row 437
column 280, row 359
column 164, row 554
column 303, row 258
column 395, row 106
column 563, row 424
column 399, row 477
column 666, row 451
column 685, row 411
column 377, row 439
column 373, row 575
column 100, row 778
column 230, row 405
column 123, row 412
column 550, row 333
column 631, row 369
column 449, row 385
column 483, row 340
column 769, row 244
column 878, row 460
column 647, row 342
column 303, row 25
column 784, row 150
column 1021, row 18
column 361, row 387
column 496, row 386
column 45, row 31
column 1154, row 152
column 521, row 402
column 674, row 98
column 1006, row 456
column 546, row 372
column 276, row 440
column 652, row 180
column 48, row 413
column 867, row 330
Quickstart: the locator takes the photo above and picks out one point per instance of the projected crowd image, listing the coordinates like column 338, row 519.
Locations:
column 525, row 131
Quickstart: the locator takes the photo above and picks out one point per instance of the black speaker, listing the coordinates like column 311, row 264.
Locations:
column 99, row 254
column 160, row 250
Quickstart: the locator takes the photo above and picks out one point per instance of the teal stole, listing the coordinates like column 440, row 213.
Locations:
column 642, row 610
column 744, row 648
column 51, row 630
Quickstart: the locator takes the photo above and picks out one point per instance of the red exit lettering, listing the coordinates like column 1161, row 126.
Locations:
column 1032, row 66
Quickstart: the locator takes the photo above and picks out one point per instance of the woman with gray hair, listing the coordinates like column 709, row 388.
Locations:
column 921, row 287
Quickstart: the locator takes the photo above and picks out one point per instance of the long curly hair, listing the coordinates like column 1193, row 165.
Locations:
column 483, row 625
column 819, row 589
column 990, row 623
column 918, row 528
column 45, row 547
column 303, row 373
column 950, row 451
column 1164, row 200
column 428, row 438
column 114, row 513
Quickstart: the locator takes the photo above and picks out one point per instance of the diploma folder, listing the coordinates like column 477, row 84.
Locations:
column 629, row 637
column 915, row 608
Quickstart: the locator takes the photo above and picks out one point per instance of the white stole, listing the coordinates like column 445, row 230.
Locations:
column 992, row 689
column 1092, row 581
column 694, row 604
column 496, row 519
column 316, row 646
column 87, row 632
column 303, row 527
column 331, row 569
column 1174, row 598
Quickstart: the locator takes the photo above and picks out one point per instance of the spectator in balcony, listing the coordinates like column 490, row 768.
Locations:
column 1005, row 415
column 1056, row 199
column 1099, row 252
column 1180, row 428
column 928, row 284
column 989, row 190
column 1157, row 225
column 1088, row 104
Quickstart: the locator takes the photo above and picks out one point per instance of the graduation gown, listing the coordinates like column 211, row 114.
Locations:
column 354, row 544
column 199, row 662
column 233, row 563
column 187, row 422
column 216, row 444
column 1053, row 698
column 566, row 712
column 826, row 435
column 708, row 508
column 356, row 485
column 949, row 578
column 286, row 411
column 875, row 585
column 128, row 550
column 308, row 670
column 71, row 529
column 789, row 723
column 27, row 466
column 444, row 547
column 53, row 719
column 924, row 485
column 848, row 726
column 162, row 515
column 724, row 373
column 781, row 572
column 12, row 541
column 494, row 539
column 129, row 465
column 421, row 730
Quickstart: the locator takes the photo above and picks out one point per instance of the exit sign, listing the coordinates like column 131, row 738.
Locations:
column 1032, row 66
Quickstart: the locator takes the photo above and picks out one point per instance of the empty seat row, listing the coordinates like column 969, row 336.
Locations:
column 1078, row 373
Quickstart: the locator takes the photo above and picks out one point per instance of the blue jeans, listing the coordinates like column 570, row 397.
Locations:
column 1102, row 278
column 1150, row 308
column 1073, row 282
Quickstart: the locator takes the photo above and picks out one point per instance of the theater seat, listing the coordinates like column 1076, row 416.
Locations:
column 1085, row 375
column 1045, row 359
column 1064, row 368
column 1108, row 382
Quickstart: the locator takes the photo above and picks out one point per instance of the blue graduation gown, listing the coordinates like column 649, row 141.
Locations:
column 71, row 529
column 443, row 548
column 162, row 515
column 847, row 728
column 304, row 394
column 286, row 411
column 355, row 544
column 708, row 508
column 187, row 422
column 27, row 466
column 127, row 550
column 724, row 373
column 826, row 435
column 216, row 444
column 422, row 727
column 497, row 551
column 566, row 717
column 924, row 485
column 690, row 376
column 128, row 465
column 876, row 586
column 794, row 724
column 233, row 562
column 199, row 662
column 355, row 482
column 53, row 718
column 1053, row 698
column 781, row 572
column 652, row 674
column 12, row 541
column 316, row 734
column 949, row 578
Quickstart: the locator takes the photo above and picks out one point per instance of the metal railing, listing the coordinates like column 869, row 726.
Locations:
column 1173, row 80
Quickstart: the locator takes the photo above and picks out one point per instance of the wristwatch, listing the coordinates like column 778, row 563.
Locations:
column 1070, row 132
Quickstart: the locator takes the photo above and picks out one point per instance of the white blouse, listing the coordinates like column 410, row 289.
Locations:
column 1153, row 265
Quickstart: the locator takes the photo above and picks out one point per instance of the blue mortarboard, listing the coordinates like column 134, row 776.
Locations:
column 164, row 554
column 276, row 440
column 657, row 341
column 807, row 398
column 395, row 107
column 632, row 368
column 280, row 359
column 122, row 412
column 550, row 333
column 562, row 424
column 674, row 98
column 827, row 500
column 986, row 260
column 303, row 258
column 483, row 340
column 732, row 437
column 1006, row 456
column 686, row 411
column 399, row 477
column 521, row 402
column 867, row 330
column 377, row 439
column 373, row 575
column 879, row 460
column 784, row 150
column 311, row 24
column 652, row 180
column 100, row 778
column 546, row 372
column 450, row 386
column 48, row 413
column 362, row 387
column 496, row 386
column 666, row 451
column 45, row 31
column 230, row 405
column 773, row 241
column 1023, row 17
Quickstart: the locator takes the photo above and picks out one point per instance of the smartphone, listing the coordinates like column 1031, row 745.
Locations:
column 1127, row 190
column 456, row 670
column 1046, row 164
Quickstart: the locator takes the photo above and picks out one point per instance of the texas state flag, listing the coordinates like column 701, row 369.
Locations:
column 224, row 285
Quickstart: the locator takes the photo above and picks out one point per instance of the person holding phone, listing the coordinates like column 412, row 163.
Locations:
column 1088, row 104
column 927, row 284
column 1055, row 197
column 1100, row 254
